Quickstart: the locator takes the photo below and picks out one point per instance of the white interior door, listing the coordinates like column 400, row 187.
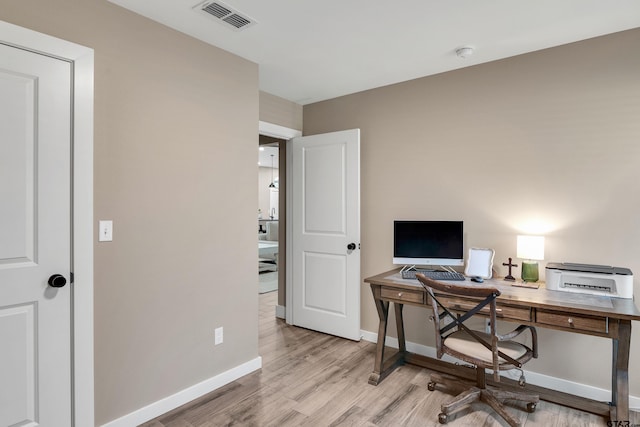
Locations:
column 325, row 238
column 35, row 239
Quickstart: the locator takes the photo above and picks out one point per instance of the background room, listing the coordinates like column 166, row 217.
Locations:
column 268, row 214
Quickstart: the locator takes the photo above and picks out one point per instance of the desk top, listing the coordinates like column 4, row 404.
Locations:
column 619, row 308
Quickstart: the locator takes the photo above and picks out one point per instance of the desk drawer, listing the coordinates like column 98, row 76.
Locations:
column 505, row 311
column 572, row 321
column 416, row 297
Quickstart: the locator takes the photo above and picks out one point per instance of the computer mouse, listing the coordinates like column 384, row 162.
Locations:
column 477, row 279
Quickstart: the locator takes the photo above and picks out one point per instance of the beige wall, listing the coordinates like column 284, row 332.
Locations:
column 280, row 111
column 545, row 142
column 176, row 121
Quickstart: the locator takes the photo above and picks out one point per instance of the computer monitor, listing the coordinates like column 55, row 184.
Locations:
column 428, row 243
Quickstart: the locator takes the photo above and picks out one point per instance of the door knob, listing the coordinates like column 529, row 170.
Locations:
column 57, row 281
column 351, row 246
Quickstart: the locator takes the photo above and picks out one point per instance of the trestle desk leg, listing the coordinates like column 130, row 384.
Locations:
column 620, row 373
column 397, row 307
column 383, row 314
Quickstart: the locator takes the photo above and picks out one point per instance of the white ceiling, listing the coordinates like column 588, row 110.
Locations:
column 310, row 51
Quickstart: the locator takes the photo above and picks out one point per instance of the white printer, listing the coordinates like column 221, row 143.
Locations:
column 590, row 279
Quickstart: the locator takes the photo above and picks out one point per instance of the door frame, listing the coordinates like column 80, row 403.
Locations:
column 277, row 131
column 81, row 59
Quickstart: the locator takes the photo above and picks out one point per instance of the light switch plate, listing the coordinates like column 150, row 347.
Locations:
column 105, row 231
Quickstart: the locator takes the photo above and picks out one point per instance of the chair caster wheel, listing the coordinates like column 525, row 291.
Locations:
column 431, row 386
column 531, row 407
column 442, row 418
column 522, row 381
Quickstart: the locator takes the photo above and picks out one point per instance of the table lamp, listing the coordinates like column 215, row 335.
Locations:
column 530, row 249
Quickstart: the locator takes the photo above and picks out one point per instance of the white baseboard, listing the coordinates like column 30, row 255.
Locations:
column 169, row 403
column 534, row 378
column 281, row 312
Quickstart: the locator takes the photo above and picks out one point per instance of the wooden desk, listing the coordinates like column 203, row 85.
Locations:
column 564, row 311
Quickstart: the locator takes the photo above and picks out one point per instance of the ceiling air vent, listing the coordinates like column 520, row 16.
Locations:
column 225, row 14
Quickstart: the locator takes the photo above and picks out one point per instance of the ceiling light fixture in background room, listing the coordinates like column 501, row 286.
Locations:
column 272, row 185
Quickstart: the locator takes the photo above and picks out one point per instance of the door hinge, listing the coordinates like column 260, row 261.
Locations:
column 71, row 277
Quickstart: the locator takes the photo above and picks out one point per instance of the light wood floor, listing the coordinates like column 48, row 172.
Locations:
column 312, row 379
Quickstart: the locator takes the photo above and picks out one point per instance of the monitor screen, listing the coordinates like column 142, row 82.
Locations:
column 428, row 243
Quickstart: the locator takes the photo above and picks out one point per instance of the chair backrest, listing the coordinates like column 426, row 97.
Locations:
column 487, row 294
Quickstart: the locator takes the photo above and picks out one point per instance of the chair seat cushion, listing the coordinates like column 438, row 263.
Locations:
column 462, row 342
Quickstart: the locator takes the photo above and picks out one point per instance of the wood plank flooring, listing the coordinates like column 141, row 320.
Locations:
column 312, row 379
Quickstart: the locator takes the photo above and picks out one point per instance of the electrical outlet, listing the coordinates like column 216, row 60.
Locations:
column 219, row 336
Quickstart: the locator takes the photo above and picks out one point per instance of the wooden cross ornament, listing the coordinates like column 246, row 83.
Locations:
column 509, row 276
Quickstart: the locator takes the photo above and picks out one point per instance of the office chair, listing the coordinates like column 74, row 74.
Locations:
column 482, row 350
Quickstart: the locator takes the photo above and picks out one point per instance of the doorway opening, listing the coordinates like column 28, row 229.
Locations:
column 270, row 134
column 271, row 242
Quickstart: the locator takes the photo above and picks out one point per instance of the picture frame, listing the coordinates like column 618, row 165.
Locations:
column 480, row 263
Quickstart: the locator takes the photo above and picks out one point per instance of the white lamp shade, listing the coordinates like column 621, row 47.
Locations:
column 530, row 247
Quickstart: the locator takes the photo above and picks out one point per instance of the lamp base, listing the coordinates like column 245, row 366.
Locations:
column 530, row 271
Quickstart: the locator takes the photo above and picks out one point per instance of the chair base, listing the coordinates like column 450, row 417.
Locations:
column 491, row 397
